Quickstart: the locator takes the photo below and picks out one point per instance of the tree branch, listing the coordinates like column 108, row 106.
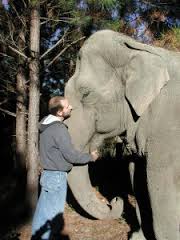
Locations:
column 68, row 46
column 18, row 52
column 24, row 3
column 55, row 45
column 8, row 112
column 5, row 55
column 18, row 15
column 3, row 102
column 54, row 20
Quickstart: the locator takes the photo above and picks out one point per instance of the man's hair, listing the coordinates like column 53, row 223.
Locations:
column 55, row 104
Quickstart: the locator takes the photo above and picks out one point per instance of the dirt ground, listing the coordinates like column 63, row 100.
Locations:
column 78, row 227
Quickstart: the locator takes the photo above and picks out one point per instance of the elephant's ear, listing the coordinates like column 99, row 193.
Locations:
column 145, row 75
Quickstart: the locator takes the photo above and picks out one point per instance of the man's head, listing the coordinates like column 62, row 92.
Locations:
column 59, row 106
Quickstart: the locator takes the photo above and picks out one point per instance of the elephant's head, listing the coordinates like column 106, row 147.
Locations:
column 114, row 77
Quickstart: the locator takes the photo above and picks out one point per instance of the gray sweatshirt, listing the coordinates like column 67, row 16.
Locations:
column 56, row 149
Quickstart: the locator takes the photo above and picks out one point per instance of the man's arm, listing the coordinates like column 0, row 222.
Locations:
column 69, row 152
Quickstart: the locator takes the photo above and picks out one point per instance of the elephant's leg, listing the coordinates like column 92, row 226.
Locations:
column 132, row 171
column 177, row 181
column 143, row 208
column 136, row 235
column 163, row 198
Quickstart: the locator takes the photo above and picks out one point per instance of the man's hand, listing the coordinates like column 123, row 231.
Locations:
column 95, row 155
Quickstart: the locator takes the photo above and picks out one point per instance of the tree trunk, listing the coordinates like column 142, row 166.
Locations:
column 21, row 111
column 33, row 117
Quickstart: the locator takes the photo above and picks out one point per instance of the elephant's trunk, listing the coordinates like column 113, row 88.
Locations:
column 78, row 178
column 79, row 182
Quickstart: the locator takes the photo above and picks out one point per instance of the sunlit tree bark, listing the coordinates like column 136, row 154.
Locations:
column 33, row 114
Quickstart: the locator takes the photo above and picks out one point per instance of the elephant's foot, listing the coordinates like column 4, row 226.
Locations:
column 138, row 236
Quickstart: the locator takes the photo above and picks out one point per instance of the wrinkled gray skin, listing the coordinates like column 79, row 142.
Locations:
column 121, row 85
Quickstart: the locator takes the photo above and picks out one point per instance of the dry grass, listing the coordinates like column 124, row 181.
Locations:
column 78, row 227
column 170, row 40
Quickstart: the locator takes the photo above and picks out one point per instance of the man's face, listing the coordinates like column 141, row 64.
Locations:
column 67, row 108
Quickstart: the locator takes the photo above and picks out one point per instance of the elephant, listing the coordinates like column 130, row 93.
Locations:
column 125, row 88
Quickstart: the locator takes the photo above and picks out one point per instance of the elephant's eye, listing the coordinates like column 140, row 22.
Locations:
column 84, row 93
column 84, row 96
column 88, row 96
column 85, row 99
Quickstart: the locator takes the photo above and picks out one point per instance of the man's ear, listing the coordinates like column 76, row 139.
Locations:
column 59, row 113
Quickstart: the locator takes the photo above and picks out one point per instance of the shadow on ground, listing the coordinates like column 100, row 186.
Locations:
column 56, row 225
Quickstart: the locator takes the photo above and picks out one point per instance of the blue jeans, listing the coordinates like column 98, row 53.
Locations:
column 51, row 202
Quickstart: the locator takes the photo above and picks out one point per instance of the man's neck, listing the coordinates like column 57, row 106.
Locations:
column 59, row 118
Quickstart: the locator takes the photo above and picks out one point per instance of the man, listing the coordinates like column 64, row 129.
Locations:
column 57, row 156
